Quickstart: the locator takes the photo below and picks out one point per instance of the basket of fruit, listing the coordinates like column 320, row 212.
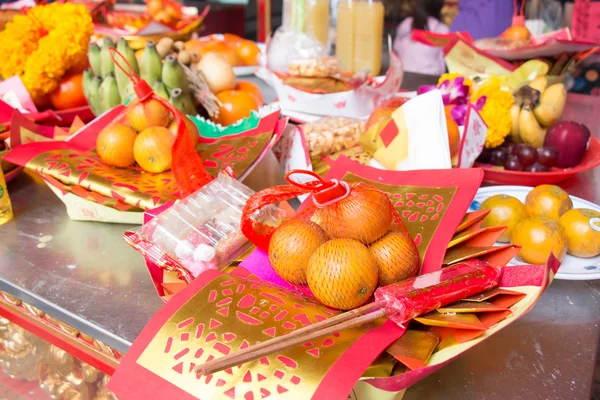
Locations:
column 546, row 219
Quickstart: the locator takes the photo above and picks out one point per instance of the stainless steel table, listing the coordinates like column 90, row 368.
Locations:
column 87, row 277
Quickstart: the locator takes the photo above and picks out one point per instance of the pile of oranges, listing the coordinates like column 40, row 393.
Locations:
column 546, row 223
column 236, row 50
column 145, row 135
column 345, row 250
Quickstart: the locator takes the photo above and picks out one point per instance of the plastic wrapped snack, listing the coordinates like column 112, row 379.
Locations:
column 201, row 231
column 331, row 135
column 321, row 67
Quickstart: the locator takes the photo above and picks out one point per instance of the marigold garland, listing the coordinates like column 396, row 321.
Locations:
column 496, row 112
column 42, row 60
column 449, row 76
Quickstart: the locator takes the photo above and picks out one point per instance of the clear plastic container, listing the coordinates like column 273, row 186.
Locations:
column 199, row 232
column 359, row 35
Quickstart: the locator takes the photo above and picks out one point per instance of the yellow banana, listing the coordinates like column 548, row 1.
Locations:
column 540, row 83
column 515, row 111
column 530, row 131
column 551, row 105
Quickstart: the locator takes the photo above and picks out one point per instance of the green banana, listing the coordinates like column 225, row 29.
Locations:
column 94, row 95
column 150, row 63
column 160, row 89
column 176, row 99
column 88, row 75
column 173, row 75
column 109, row 93
column 123, row 82
column 188, row 104
column 94, row 57
column 106, row 63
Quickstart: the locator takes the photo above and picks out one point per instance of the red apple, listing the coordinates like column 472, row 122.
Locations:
column 385, row 110
column 570, row 139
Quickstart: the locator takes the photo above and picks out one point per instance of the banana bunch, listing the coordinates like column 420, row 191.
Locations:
column 537, row 106
column 105, row 85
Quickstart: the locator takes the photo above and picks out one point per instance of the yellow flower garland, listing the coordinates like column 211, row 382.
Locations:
column 42, row 60
column 496, row 112
column 449, row 76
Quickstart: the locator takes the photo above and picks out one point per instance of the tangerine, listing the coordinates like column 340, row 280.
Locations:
column 291, row 246
column 114, row 145
column 152, row 149
column 251, row 88
column 69, row 93
column 342, row 274
column 191, row 127
column 548, row 201
column 235, row 105
column 504, row 211
column 538, row 236
column 146, row 114
column 582, row 231
column 397, row 257
column 248, row 52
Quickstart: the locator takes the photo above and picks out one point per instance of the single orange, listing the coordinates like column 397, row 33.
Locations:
column 582, row 231
column 453, row 134
column 191, row 127
column 548, row 201
column 291, row 246
column 251, row 88
column 69, row 93
column 236, row 104
column 539, row 236
column 397, row 257
column 504, row 211
column 248, row 52
column 114, row 145
column 342, row 274
column 152, row 149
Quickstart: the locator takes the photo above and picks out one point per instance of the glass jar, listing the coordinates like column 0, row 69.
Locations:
column 308, row 16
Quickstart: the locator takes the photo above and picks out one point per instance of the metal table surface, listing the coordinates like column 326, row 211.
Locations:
column 85, row 275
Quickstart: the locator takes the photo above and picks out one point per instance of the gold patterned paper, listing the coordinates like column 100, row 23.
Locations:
column 231, row 313
column 356, row 153
column 421, row 208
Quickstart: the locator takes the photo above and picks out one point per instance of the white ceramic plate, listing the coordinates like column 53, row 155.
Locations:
column 245, row 71
column 572, row 268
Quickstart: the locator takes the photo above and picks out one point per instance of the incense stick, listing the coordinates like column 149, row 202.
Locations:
column 327, row 327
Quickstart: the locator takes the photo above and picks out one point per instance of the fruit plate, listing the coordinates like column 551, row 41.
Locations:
column 496, row 175
column 572, row 268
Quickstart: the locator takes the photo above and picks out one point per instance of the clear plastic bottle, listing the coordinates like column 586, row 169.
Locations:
column 359, row 35
column 308, row 16
column 6, row 213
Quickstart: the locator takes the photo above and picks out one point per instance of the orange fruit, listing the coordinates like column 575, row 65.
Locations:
column 144, row 115
column 505, row 211
column 69, row 93
column 539, row 236
column 191, row 127
column 248, row 52
column 342, row 274
column 228, row 53
column 291, row 246
column 236, row 104
column 152, row 149
column 251, row 88
column 453, row 134
column 548, row 201
column 397, row 257
column 365, row 214
column 582, row 231
column 114, row 145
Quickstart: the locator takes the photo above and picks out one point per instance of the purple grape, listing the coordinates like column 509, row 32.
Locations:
column 513, row 164
column 537, row 167
column 527, row 155
column 547, row 156
column 498, row 156
column 510, row 147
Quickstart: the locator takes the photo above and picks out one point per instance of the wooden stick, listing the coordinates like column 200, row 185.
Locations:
column 327, row 327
